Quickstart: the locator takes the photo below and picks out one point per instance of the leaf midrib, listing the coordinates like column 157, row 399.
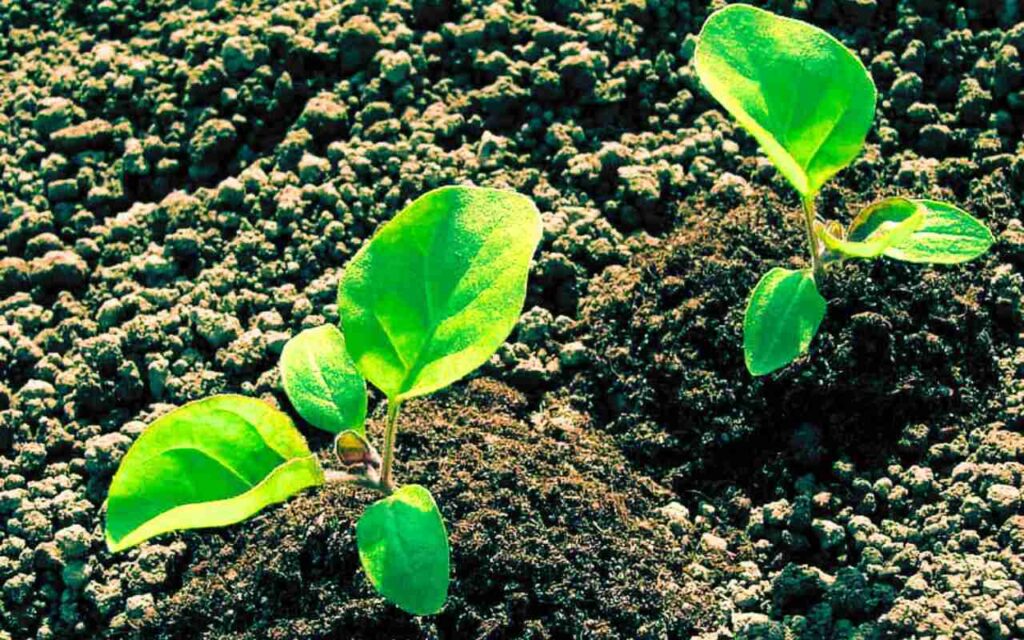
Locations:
column 214, row 458
column 418, row 363
column 788, row 311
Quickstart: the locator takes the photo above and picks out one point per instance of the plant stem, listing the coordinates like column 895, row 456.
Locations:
column 812, row 240
column 343, row 477
column 389, row 446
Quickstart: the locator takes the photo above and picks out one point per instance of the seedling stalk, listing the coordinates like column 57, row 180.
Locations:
column 386, row 483
column 812, row 239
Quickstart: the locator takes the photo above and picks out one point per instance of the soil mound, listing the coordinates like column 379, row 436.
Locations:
column 900, row 344
column 552, row 535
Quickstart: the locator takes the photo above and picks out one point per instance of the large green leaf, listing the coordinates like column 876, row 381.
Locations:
column 890, row 233
column 209, row 463
column 403, row 547
column 946, row 235
column 804, row 96
column 322, row 381
column 783, row 314
column 438, row 288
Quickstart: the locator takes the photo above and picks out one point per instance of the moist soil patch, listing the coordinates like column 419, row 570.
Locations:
column 900, row 345
column 552, row 534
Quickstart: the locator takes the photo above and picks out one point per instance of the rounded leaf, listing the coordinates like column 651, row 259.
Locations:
column 804, row 96
column 879, row 216
column 322, row 382
column 403, row 547
column 946, row 235
column 782, row 317
column 209, row 463
column 885, row 235
column 438, row 288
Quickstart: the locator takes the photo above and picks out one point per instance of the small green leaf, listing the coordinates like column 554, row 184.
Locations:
column 322, row 381
column 804, row 96
column 947, row 234
column 783, row 314
column 403, row 547
column 438, row 288
column 210, row 463
column 880, row 216
column 888, row 234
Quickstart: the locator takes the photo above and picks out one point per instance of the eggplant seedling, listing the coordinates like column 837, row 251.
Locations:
column 809, row 103
column 426, row 301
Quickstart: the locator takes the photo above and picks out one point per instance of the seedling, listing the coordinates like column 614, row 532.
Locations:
column 809, row 103
column 425, row 302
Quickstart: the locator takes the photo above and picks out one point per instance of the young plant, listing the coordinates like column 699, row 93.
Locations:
column 425, row 302
column 809, row 103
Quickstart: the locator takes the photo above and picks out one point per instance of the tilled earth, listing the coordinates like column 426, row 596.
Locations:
column 182, row 181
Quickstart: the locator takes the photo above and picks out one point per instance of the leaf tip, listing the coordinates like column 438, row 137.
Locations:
column 114, row 546
column 754, row 370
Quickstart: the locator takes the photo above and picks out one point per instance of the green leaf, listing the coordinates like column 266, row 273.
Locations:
column 322, row 381
column 947, row 235
column 880, row 216
column 403, row 547
column 804, row 96
column 210, row 463
column 783, row 314
column 890, row 233
column 438, row 288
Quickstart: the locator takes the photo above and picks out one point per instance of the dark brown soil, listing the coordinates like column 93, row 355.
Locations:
column 901, row 344
column 552, row 535
column 182, row 182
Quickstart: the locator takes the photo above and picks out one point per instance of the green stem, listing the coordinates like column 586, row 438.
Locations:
column 389, row 446
column 812, row 239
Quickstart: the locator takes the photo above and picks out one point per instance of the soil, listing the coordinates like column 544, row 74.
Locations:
column 553, row 535
column 896, row 349
column 181, row 183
